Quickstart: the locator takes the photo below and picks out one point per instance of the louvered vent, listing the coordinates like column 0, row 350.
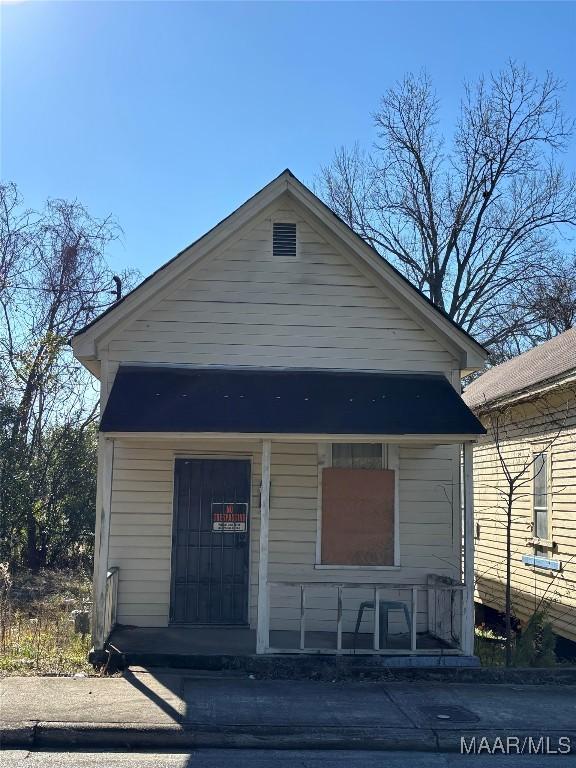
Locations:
column 284, row 240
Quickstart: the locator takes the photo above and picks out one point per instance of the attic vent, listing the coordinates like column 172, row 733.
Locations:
column 284, row 240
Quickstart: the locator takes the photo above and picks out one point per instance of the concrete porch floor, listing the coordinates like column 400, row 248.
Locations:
column 241, row 641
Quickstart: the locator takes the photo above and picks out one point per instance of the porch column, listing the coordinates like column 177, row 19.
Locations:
column 263, row 627
column 102, row 538
column 468, row 594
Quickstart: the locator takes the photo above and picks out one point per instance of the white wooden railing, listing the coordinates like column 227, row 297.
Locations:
column 445, row 609
column 444, row 606
column 111, row 601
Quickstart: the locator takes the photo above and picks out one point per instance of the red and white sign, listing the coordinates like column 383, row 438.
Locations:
column 229, row 516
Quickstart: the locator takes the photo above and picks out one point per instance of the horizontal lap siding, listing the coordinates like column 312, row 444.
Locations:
column 429, row 535
column 141, row 527
column 243, row 307
column 556, row 421
column 141, row 521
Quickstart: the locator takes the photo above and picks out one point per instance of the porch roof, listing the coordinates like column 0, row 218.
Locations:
column 256, row 401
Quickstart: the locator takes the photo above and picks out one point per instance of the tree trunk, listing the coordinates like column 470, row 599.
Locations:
column 33, row 556
column 508, row 602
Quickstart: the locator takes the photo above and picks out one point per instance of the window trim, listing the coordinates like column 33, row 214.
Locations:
column 390, row 460
column 536, row 540
column 283, row 220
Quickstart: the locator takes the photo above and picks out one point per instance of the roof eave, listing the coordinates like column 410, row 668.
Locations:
column 313, row 437
column 525, row 394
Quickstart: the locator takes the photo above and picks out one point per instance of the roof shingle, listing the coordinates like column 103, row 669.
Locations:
column 167, row 399
column 544, row 363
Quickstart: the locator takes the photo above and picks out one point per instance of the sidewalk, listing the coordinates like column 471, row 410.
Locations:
column 172, row 710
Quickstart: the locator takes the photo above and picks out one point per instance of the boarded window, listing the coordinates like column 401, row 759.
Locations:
column 541, row 495
column 357, row 516
column 284, row 240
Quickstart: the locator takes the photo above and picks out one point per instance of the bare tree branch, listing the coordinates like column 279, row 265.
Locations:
column 475, row 222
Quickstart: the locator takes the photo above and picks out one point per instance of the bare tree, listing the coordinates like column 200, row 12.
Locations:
column 553, row 302
column 53, row 280
column 472, row 221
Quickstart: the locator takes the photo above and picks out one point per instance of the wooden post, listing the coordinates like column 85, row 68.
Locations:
column 414, row 613
column 302, row 617
column 116, row 579
column 394, row 464
column 102, row 538
column 263, row 627
column 431, row 605
column 376, row 619
column 467, row 642
column 339, row 620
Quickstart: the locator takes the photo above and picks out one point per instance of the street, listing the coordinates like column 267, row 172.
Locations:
column 249, row 758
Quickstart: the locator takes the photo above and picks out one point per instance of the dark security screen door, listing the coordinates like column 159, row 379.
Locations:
column 210, row 542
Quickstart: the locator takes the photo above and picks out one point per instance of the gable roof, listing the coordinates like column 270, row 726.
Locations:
column 542, row 365
column 83, row 340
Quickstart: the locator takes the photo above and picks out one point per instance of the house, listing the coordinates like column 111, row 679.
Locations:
column 528, row 405
column 280, row 447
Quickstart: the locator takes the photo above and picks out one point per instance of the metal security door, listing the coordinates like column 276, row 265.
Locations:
column 210, row 542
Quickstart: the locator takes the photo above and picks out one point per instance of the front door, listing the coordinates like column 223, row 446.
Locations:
column 210, row 542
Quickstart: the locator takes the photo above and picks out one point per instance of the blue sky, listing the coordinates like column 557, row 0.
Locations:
column 167, row 115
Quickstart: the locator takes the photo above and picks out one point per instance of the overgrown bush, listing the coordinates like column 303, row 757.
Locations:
column 535, row 645
column 47, row 502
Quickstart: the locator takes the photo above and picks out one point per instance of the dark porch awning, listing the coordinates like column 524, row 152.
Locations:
column 165, row 399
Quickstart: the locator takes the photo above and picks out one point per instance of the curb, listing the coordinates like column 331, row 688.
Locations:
column 55, row 735
column 19, row 735
column 173, row 736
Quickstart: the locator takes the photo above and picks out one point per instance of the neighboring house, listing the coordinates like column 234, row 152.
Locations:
column 528, row 406
column 280, row 447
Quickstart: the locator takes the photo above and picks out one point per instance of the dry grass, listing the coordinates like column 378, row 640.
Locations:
column 37, row 634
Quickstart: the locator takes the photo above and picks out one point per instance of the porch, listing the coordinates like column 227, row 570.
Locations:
column 236, row 543
column 136, row 642
column 381, row 626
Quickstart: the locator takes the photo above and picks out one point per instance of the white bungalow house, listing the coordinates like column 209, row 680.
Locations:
column 280, row 448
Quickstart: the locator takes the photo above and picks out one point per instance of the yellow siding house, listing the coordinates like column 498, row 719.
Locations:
column 528, row 406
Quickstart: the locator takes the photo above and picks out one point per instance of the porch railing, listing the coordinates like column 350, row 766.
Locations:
column 444, row 611
column 111, row 601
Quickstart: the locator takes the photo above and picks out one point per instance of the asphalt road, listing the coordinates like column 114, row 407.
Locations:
column 250, row 758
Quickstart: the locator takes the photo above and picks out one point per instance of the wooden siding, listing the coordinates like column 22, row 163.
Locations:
column 141, row 526
column 530, row 426
column 141, row 523
column 242, row 306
